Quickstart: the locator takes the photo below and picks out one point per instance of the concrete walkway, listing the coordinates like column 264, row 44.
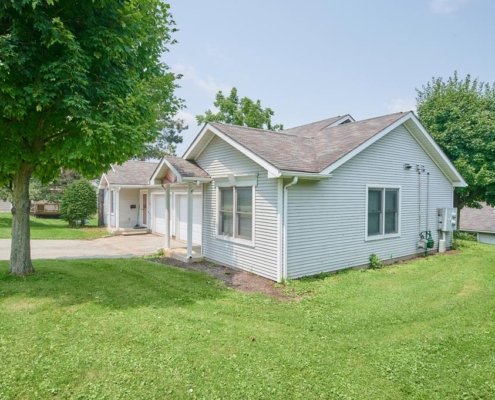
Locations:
column 109, row 247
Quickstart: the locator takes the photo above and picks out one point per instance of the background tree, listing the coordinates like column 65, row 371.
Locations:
column 243, row 112
column 460, row 115
column 166, row 141
column 78, row 202
column 81, row 86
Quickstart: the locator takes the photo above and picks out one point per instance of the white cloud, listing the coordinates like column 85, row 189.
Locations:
column 446, row 6
column 207, row 83
column 397, row 105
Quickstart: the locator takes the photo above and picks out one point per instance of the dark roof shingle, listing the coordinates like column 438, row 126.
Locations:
column 309, row 148
column 187, row 169
column 131, row 173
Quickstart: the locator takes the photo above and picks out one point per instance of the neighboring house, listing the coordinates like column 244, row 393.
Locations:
column 480, row 221
column 311, row 199
column 5, row 206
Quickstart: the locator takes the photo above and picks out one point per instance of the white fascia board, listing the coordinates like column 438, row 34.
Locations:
column 340, row 120
column 461, row 182
column 196, row 141
column 103, row 176
column 117, row 185
column 248, row 153
column 366, row 144
column 301, row 175
column 170, row 166
column 193, row 179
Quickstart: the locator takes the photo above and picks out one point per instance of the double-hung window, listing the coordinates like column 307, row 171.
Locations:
column 382, row 212
column 236, row 212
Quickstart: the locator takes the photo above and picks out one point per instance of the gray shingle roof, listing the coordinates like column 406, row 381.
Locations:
column 187, row 169
column 312, row 128
column 479, row 220
column 309, row 148
column 131, row 173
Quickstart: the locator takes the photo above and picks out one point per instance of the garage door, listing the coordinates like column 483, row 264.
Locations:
column 197, row 218
column 159, row 220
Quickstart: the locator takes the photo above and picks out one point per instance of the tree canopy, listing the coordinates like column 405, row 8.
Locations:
column 460, row 115
column 82, row 85
column 166, row 142
column 243, row 112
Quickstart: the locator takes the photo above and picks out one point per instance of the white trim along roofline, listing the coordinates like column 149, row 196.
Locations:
column 103, row 176
column 257, row 159
column 409, row 116
column 340, row 120
column 159, row 167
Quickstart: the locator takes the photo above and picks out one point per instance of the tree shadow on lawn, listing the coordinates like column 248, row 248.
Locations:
column 112, row 283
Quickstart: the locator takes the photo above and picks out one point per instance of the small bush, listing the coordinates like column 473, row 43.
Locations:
column 78, row 202
column 465, row 236
column 375, row 262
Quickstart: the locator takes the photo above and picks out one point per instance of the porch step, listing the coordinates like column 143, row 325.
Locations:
column 135, row 232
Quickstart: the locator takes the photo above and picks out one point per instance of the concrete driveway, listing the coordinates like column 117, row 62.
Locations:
column 109, row 247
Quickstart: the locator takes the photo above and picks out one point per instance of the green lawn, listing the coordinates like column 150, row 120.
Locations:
column 48, row 228
column 123, row 329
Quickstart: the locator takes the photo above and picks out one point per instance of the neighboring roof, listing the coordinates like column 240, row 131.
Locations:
column 478, row 220
column 309, row 148
column 131, row 173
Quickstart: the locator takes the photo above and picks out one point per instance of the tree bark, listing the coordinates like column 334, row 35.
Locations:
column 20, row 254
column 459, row 205
column 101, row 199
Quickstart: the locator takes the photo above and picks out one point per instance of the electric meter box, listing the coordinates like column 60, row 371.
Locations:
column 447, row 219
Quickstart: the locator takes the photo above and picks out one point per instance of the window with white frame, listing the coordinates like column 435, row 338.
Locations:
column 112, row 201
column 383, row 211
column 236, row 212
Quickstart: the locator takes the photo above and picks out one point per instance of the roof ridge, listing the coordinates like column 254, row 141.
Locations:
column 381, row 116
column 256, row 129
column 314, row 122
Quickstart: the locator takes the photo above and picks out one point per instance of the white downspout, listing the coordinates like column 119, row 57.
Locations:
column 286, row 193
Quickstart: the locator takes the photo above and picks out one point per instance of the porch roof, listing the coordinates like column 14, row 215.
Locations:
column 176, row 170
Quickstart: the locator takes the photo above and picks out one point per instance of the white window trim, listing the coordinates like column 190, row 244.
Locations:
column 233, row 239
column 399, row 213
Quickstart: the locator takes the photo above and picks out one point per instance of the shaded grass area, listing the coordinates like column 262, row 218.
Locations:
column 136, row 329
column 52, row 228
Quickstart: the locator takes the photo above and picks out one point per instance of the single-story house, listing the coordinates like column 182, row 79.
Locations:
column 480, row 221
column 315, row 198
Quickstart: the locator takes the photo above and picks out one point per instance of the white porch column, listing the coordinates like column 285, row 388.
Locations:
column 167, row 217
column 117, row 209
column 190, row 189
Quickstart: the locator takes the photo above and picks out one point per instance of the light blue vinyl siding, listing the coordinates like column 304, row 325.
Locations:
column 326, row 219
column 220, row 159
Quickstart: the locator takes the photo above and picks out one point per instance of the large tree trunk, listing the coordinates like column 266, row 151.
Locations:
column 459, row 205
column 20, row 255
column 101, row 199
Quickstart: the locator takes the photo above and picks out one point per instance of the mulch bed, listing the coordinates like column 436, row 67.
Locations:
column 234, row 278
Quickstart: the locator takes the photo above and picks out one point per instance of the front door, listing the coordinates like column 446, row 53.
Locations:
column 144, row 208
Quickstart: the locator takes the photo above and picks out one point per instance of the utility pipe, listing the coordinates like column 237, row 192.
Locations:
column 286, row 192
column 427, row 199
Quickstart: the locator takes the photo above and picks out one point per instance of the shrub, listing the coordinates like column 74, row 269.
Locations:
column 78, row 202
column 375, row 262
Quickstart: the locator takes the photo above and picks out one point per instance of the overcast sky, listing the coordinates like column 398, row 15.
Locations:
column 314, row 59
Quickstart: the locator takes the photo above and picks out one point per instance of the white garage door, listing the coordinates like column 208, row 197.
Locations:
column 197, row 218
column 159, row 217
